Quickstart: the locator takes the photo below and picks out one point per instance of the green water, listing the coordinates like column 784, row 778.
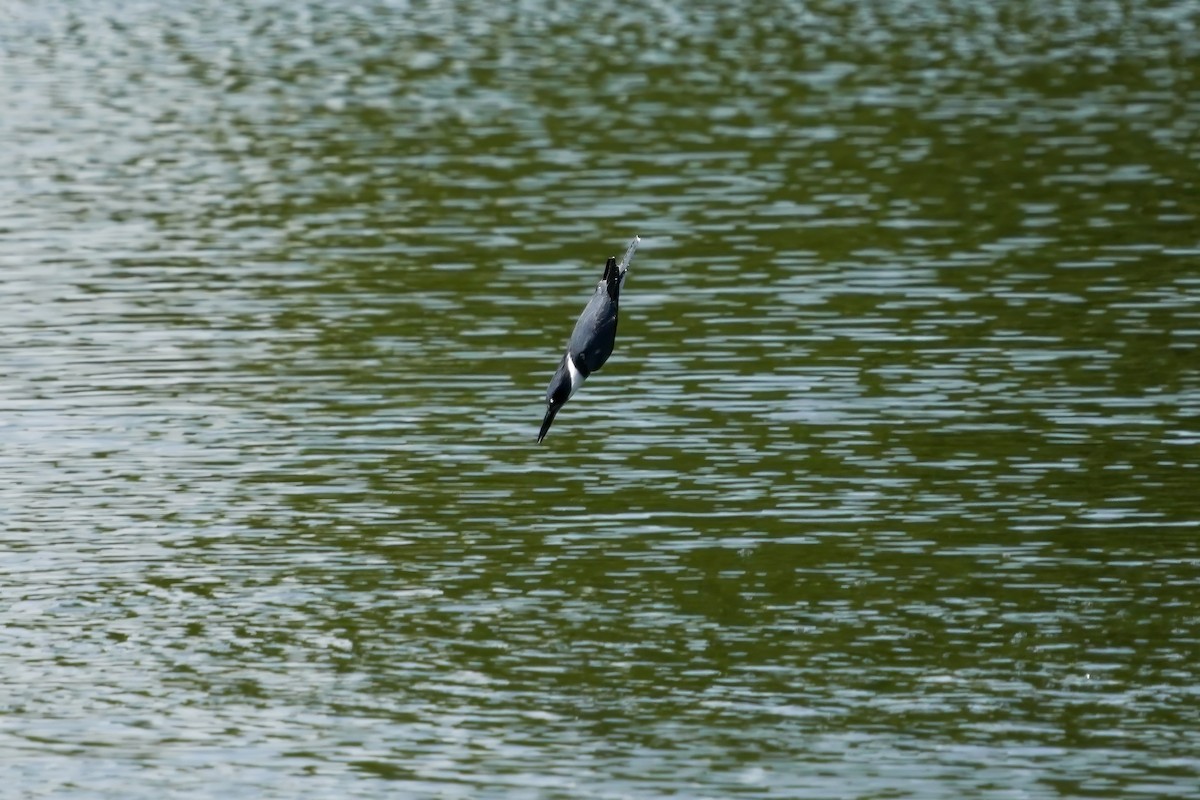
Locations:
column 889, row 489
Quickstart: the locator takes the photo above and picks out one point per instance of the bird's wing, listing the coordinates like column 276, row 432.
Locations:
column 627, row 259
column 595, row 332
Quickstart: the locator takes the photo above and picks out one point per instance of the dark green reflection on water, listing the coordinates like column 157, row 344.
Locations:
column 886, row 490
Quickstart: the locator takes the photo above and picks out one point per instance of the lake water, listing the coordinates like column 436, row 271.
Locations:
column 890, row 489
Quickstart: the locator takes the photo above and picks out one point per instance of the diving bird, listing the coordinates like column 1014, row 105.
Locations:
column 591, row 342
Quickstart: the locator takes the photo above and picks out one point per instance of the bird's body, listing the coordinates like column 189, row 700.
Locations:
column 592, row 340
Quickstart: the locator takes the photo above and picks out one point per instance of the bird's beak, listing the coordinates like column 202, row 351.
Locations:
column 550, row 412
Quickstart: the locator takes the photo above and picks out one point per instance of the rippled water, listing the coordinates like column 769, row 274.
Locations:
column 889, row 489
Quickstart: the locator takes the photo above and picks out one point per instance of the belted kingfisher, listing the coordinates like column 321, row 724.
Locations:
column 591, row 342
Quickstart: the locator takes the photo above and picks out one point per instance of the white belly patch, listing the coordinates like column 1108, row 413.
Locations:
column 577, row 377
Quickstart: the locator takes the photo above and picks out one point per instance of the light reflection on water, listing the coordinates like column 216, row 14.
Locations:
column 887, row 488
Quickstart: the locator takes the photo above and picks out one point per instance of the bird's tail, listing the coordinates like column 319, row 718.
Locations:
column 614, row 273
column 610, row 270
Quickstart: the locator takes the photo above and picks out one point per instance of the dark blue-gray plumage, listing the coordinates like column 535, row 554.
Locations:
column 592, row 341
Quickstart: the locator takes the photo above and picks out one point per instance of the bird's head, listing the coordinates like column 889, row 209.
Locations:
column 557, row 393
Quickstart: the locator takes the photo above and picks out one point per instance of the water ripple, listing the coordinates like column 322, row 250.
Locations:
column 887, row 485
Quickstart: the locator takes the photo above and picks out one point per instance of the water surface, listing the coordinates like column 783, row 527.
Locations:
column 888, row 490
